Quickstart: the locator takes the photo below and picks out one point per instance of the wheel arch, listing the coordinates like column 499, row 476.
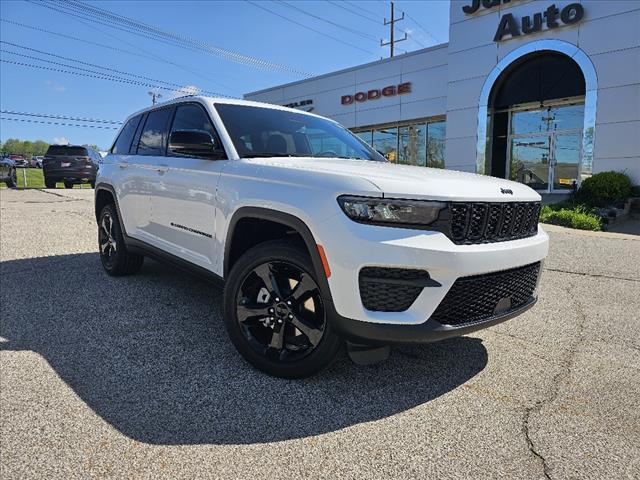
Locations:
column 287, row 221
column 104, row 195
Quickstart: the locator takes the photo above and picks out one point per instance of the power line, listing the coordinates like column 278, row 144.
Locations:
column 94, row 65
column 60, row 117
column 309, row 28
column 361, row 7
column 96, row 14
column 355, row 12
column 111, row 78
column 57, row 123
column 377, row 22
column 322, row 19
column 422, row 28
column 148, row 55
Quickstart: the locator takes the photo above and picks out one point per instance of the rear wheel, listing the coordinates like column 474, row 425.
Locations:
column 12, row 181
column 49, row 182
column 68, row 184
column 274, row 312
column 116, row 260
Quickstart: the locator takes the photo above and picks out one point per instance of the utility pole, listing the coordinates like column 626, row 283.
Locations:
column 392, row 41
column 154, row 96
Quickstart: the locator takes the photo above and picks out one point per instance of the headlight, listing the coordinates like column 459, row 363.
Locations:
column 390, row 211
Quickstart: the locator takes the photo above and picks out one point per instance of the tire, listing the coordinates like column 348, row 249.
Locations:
column 68, row 184
column 12, row 181
column 115, row 258
column 93, row 184
column 49, row 182
column 282, row 339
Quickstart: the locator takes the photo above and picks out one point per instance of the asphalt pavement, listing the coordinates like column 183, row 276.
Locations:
column 135, row 378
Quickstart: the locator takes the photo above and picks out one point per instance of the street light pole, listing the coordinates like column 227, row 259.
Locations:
column 154, row 96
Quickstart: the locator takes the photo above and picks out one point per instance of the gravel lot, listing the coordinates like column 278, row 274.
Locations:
column 134, row 377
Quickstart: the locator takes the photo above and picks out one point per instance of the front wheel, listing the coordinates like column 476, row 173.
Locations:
column 274, row 312
column 115, row 258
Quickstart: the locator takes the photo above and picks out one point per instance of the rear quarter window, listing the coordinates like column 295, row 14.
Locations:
column 123, row 142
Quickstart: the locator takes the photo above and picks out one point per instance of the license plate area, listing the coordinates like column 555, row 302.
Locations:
column 65, row 164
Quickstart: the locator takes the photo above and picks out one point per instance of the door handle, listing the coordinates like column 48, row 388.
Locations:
column 162, row 169
column 123, row 165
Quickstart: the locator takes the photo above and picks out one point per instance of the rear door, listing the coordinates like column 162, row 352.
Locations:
column 183, row 204
column 144, row 167
column 129, row 180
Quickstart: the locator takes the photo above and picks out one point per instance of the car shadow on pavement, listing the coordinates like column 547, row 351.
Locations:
column 149, row 354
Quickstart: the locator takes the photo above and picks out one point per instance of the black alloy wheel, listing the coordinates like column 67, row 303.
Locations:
column 275, row 314
column 280, row 311
column 106, row 240
column 114, row 256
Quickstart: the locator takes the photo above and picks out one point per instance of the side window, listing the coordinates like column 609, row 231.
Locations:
column 123, row 142
column 154, row 133
column 192, row 117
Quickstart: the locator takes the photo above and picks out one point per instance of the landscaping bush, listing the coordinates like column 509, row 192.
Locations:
column 580, row 217
column 605, row 189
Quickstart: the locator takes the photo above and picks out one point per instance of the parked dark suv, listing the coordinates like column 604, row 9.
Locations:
column 70, row 164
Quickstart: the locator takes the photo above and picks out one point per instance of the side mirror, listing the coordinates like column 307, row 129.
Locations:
column 194, row 142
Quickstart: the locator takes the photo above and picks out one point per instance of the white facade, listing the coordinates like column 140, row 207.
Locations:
column 456, row 81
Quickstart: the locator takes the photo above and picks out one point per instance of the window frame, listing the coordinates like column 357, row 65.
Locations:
column 168, row 153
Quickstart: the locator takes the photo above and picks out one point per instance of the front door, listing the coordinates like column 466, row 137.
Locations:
column 545, row 147
column 183, row 203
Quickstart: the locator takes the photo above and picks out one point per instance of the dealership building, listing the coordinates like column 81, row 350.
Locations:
column 542, row 92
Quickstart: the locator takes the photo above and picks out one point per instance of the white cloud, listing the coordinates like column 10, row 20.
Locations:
column 186, row 90
column 55, row 86
column 61, row 141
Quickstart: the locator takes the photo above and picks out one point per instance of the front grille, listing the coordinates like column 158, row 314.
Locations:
column 474, row 223
column 481, row 297
column 390, row 289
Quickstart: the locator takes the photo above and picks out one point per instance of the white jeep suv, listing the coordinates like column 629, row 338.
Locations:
column 317, row 237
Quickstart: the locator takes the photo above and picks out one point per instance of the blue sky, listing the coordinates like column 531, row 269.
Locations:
column 242, row 27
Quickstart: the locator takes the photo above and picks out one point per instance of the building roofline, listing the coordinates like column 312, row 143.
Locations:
column 350, row 69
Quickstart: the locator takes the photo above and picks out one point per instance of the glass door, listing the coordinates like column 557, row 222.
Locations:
column 545, row 146
column 567, row 149
column 530, row 157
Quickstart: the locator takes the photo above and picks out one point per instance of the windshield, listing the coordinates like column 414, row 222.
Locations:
column 267, row 132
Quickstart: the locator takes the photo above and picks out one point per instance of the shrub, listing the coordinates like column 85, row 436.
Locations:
column 579, row 217
column 604, row 189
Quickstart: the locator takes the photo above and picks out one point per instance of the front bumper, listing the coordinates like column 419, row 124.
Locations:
column 375, row 334
column 351, row 246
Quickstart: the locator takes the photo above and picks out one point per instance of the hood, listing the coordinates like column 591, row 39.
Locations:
column 407, row 181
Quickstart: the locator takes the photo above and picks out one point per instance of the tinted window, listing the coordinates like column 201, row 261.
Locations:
column 154, row 133
column 192, row 117
column 123, row 143
column 268, row 132
column 66, row 150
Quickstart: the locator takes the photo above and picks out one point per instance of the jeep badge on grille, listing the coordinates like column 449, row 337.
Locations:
column 506, row 191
